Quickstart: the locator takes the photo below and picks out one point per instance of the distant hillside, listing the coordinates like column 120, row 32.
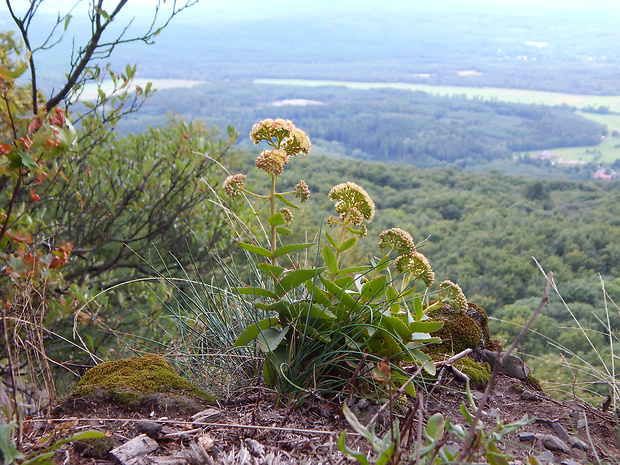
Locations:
column 381, row 124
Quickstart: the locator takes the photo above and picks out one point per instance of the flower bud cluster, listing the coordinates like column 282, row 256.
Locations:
column 453, row 292
column 352, row 201
column 302, row 192
column 233, row 185
column 287, row 215
column 396, row 239
column 415, row 263
column 272, row 161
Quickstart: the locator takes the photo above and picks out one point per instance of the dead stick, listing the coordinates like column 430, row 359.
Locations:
column 487, row 392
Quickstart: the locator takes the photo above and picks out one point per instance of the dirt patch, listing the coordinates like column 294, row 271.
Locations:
column 251, row 427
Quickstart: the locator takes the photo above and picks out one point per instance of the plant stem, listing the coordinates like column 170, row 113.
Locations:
column 274, row 233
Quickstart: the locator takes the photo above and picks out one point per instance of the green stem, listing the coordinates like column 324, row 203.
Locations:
column 343, row 231
column 274, row 234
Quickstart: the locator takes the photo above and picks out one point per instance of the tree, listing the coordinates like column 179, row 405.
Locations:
column 84, row 58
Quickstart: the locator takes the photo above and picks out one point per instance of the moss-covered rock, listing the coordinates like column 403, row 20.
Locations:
column 479, row 373
column 458, row 333
column 148, row 382
column 462, row 331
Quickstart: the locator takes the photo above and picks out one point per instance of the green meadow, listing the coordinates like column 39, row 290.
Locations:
column 484, row 93
column 607, row 151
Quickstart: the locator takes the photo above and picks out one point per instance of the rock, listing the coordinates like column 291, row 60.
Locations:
column 255, row 447
column 210, row 415
column 150, row 428
column 560, row 431
column 130, row 452
column 527, row 437
column 569, row 462
column 511, row 366
column 528, row 395
column 553, row 443
column 547, row 455
column 576, row 443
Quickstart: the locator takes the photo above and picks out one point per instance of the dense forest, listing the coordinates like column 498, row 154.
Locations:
column 385, row 125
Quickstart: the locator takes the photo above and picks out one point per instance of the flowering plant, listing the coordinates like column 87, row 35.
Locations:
column 328, row 326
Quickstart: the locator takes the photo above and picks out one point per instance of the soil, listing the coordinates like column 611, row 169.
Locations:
column 251, row 428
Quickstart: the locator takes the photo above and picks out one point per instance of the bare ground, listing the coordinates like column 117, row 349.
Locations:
column 250, row 428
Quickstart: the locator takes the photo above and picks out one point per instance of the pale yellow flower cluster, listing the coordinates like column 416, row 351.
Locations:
column 287, row 140
column 352, row 201
column 453, row 292
column 417, row 264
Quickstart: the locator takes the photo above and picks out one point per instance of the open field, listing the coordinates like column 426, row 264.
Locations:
column 484, row 93
column 612, row 120
column 606, row 151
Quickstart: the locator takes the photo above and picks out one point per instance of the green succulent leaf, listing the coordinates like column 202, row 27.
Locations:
column 373, row 289
column 286, row 202
column 276, row 220
column 271, row 270
column 251, row 332
column 434, row 427
column 330, row 260
column 286, row 249
column 256, row 249
column 346, row 245
column 401, row 379
column 353, row 270
column 426, row 326
column 345, row 299
column 284, row 231
column 359, row 456
column 270, row 338
column 294, row 278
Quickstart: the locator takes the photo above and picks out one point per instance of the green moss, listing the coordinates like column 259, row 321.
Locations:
column 128, row 379
column 459, row 332
column 479, row 373
column 532, row 381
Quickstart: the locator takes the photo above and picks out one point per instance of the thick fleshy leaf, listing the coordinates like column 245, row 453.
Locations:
column 346, row 245
column 345, row 299
column 317, row 294
column 285, row 201
column 251, row 332
column 373, row 289
column 284, row 231
column 382, row 264
column 256, row 249
column 331, row 241
column 396, row 325
column 294, row 278
column 330, row 260
column 270, row 338
column 276, row 220
column 256, row 291
column 435, row 426
column 286, row 249
column 271, row 270
column 401, row 380
column 353, row 270
column 426, row 326
column 359, row 456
